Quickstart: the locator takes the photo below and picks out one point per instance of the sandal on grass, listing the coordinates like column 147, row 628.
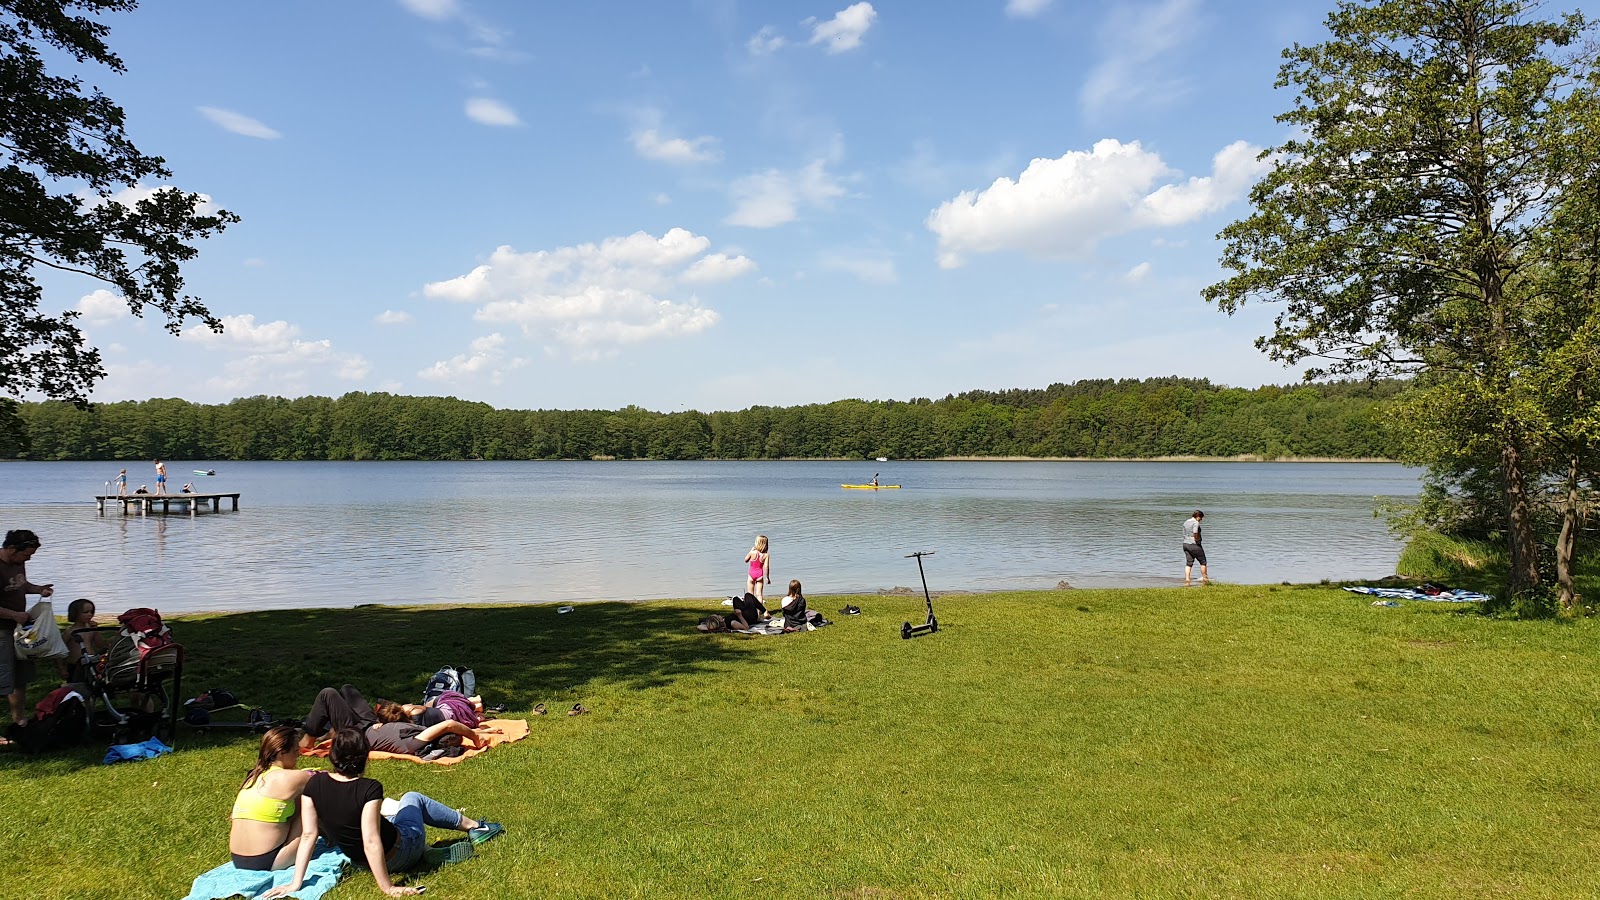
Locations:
column 578, row 709
column 539, row 710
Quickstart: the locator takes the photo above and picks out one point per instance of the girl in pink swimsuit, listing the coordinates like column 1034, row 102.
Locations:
column 760, row 567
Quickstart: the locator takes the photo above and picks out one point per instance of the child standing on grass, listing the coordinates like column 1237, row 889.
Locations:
column 760, row 567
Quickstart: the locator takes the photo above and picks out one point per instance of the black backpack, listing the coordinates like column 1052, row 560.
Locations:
column 66, row 727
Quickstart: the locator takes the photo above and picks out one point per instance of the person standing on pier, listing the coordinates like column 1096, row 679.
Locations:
column 122, row 483
column 15, row 587
column 1192, row 551
column 161, row 477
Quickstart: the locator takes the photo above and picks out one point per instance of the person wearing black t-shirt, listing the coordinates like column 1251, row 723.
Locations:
column 347, row 807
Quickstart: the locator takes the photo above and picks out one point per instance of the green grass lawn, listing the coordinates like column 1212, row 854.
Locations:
column 1201, row 742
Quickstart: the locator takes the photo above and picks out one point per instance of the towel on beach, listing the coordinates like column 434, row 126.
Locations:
column 129, row 752
column 227, row 880
column 1409, row 594
column 509, row 730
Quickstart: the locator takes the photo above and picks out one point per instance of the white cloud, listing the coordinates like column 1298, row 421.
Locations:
column 393, row 317
column 651, row 145
column 872, row 269
column 238, row 123
column 765, row 42
column 131, row 197
column 1064, row 206
column 1142, row 41
column 486, row 357
column 593, row 297
column 273, row 357
column 716, row 267
column 103, row 307
column 1025, row 9
column 254, row 262
column 485, row 111
column 843, row 32
column 662, row 199
column 437, row 10
column 1137, row 273
column 771, row 198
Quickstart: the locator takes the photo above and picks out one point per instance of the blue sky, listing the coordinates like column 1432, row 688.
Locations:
column 704, row 204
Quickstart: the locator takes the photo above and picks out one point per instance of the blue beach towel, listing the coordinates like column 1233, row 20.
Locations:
column 226, row 880
column 129, row 752
column 1409, row 594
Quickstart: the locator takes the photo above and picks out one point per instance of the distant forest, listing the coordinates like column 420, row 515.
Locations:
column 1095, row 418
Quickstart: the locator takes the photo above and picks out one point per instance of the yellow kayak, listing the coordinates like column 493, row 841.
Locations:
column 870, row 487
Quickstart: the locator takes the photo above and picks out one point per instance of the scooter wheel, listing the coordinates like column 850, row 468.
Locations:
column 905, row 631
column 933, row 624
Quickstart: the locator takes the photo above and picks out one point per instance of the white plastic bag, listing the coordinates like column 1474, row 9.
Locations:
column 42, row 639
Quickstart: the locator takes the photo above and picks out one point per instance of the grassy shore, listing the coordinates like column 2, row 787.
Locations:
column 1204, row 742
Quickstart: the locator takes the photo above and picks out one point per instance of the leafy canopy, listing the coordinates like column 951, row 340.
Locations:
column 73, row 199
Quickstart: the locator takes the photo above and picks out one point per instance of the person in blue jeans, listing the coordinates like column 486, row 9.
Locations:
column 346, row 806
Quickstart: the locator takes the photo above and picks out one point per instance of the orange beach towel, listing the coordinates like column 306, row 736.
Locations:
column 509, row 730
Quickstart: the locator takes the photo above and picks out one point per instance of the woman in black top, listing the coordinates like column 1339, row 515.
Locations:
column 347, row 807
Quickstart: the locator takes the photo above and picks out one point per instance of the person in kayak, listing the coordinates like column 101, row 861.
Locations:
column 760, row 568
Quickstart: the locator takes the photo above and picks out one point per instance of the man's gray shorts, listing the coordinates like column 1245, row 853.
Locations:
column 15, row 674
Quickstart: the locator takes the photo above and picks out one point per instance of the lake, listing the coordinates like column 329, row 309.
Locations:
column 342, row 533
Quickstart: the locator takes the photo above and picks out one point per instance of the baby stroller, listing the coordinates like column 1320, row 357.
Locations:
column 136, row 680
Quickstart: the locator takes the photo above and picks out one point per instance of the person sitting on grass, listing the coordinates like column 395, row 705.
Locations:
column 265, row 823
column 347, row 807
column 794, row 608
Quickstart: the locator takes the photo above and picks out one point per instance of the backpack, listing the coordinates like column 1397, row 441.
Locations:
column 146, row 628
column 60, row 721
column 450, row 678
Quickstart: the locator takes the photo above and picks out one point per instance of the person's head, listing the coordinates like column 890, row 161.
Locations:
column 20, row 544
column 1198, row 515
column 761, row 543
column 81, row 611
column 123, row 472
column 389, row 711
column 280, row 746
column 794, row 588
column 713, row 622
column 349, row 752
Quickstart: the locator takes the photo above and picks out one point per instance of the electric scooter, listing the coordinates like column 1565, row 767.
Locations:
column 908, row 630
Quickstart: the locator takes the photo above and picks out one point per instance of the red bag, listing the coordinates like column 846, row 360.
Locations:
column 144, row 625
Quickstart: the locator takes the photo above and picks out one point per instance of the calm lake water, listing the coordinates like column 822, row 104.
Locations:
column 339, row 534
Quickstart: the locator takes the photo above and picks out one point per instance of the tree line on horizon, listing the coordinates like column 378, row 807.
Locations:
column 1090, row 419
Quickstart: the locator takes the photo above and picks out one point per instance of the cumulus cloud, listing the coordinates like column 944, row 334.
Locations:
column 651, row 145
column 393, row 317
column 1064, row 206
column 486, row 358
column 1141, row 42
column 271, row 354
column 1025, row 9
column 238, row 123
column 592, row 298
column 437, row 10
column 771, row 198
column 131, row 197
column 485, row 111
column 1137, row 273
column 103, row 307
column 765, row 42
column 844, row 31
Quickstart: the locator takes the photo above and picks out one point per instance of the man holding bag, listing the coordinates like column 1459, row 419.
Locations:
column 15, row 587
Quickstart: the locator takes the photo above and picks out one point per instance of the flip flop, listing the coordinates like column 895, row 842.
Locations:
column 539, row 709
column 578, row 709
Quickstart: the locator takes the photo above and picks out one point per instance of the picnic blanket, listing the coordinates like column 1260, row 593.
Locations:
column 227, row 880
column 1446, row 596
column 509, row 730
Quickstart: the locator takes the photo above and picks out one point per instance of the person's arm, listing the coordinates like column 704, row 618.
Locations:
column 372, row 846
column 43, row 590
column 448, row 726
column 302, row 855
column 766, row 566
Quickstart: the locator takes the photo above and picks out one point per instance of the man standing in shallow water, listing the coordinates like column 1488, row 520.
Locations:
column 1192, row 551
column 15, row 587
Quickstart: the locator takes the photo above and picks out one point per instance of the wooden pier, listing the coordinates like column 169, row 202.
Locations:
column 149, row 504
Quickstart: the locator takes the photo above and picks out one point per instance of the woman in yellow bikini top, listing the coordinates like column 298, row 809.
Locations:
column 264, row 828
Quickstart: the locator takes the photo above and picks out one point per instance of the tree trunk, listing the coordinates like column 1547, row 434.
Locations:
column 1566, row 544
column 1524, row 574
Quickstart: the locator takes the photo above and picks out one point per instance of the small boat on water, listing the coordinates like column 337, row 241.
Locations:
column 205, row 471
column 870, row 487
column 883, row 459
